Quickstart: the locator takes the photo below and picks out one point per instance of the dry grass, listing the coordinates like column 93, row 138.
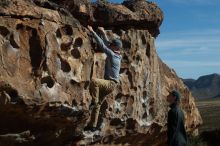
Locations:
column 210, row 112
column 209, row 132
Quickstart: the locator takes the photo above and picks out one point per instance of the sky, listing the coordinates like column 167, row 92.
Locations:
column 190, row 36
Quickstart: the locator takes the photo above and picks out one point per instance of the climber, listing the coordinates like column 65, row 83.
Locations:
column 176, row 129
column 103, row 87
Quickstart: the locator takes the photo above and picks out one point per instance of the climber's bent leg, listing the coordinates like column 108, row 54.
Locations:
column 103, row 87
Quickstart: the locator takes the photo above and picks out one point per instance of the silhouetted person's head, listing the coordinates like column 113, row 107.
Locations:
column 173, row 97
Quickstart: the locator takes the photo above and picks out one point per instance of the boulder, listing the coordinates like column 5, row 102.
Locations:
column 47, row 61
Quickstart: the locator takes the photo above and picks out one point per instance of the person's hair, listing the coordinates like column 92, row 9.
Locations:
column 117, row 43
column 176, row 94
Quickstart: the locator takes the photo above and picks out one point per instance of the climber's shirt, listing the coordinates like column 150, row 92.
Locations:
column 113, row 60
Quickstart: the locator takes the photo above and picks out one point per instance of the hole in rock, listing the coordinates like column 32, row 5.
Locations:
column 130, row 123
column 123, row 70
column 135, row 88
column 78, row 42
column 74, row 72
column 144, row 115
column 151, row 102
column 133, row 57
column 144, row 105
column 126, row 44
column 110, row 109
column 97, row 63
column 13, row 93
column 117, row 111
column 65, row 47
column 48, row 6
column 143, row 38
column 138, row 58
column 74, row 103
column 48, row 80
column 130, row 78
column 67, row 29
column 73, row 82
column 151, row 110
column 4, row 31
column 148, row 50
column 44, row 65
column 125, row 59
column 124, row 104
column 118, row 97
column 13, row 42
column 65, row 67
column 86, row 85
column 35, row 50
column 108, row 139
column 144, row 94
column 115, row 122
column 58, row 33
column 75, row 53
column 20, row 26
column 66, row 42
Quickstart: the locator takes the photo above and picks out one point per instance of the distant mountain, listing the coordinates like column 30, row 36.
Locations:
column 217, row 96
column 207, row 86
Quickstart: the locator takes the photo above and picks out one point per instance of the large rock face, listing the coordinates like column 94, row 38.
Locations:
column 132, row 13
column 48, row 58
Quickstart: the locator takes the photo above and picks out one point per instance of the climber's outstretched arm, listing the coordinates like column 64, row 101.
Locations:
column 101, row 42
column 104, row 36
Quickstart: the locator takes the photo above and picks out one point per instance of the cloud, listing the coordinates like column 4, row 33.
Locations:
column 193, row 69
column 196, row 32
column 190, row 42
column 184, row 63
column 190, row 36
column 194, row 2
column 191, row 53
